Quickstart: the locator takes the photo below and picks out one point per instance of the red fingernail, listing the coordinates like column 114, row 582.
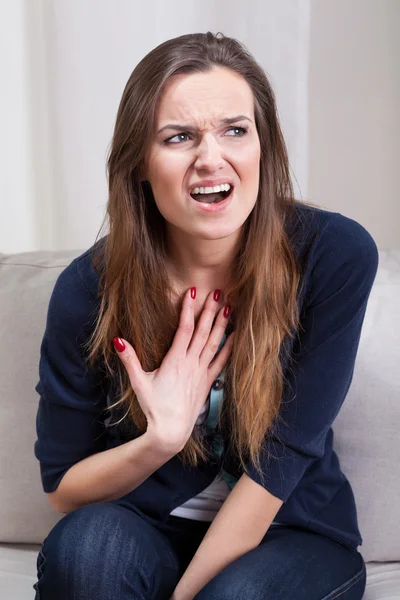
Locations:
column 193, row 292
column 227, row 310
column 118, row 344
column 217, row 294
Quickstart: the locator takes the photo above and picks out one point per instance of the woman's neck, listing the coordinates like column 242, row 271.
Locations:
column 203, row 263
column 205, row 282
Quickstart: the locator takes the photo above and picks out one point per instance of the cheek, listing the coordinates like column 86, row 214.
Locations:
column 253, row 155
column 168, row 173
column 247, row 159
column 250, row 171
column 166, row 181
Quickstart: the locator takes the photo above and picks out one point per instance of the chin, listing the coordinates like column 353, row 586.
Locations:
column 217, row 232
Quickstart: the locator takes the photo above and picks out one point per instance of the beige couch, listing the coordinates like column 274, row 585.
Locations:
column 366, row 431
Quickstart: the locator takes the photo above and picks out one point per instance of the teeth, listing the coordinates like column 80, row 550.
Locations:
column 224, row 187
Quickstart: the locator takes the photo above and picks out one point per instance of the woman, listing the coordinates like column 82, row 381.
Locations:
column 195, row 459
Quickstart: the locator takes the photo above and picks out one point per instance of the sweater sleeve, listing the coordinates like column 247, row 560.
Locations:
column 69, row 421
column 344, row 268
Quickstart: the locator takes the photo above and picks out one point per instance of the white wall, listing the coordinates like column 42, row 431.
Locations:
column 17, row 208
column 354, row 123
column 66, row 63
column 332, row 63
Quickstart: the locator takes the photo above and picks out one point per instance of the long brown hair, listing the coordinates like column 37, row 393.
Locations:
column 134, row 286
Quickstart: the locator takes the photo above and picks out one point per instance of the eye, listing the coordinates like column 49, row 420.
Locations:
column 169, row 140
column 242, row 129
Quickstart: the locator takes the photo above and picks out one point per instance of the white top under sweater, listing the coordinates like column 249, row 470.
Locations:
column 205, row 506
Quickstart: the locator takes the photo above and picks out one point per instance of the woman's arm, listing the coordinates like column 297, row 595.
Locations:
column 239, row 526
column 108, row 475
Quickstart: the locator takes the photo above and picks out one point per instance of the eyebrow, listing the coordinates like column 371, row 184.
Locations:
column 189, row 128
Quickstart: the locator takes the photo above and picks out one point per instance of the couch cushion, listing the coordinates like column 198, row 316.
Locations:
column 18, row 571
column 366, row 429
column 383, row 581
column 26, row 283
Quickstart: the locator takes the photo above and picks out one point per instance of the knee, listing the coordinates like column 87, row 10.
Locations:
column 85, row 537
column 225, row 587
column 94, row 547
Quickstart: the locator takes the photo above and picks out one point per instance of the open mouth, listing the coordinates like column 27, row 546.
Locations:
column 212, row 198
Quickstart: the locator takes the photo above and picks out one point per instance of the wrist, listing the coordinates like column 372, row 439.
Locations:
column 168, row 446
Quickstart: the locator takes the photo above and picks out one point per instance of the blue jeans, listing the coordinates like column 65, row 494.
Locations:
column 105, row 551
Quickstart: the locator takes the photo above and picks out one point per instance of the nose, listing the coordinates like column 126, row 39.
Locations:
column 209, row 155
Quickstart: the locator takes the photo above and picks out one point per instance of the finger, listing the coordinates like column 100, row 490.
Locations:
column 131, row 362
column 218, row 363
column 202, row 333
column 184, row 333
column 214, row 339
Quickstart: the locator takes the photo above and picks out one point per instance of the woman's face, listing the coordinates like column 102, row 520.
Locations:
column 191, row 143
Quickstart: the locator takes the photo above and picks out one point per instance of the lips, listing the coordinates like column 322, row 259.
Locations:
column 220, row 207
column 210, row 183
column 212, row 198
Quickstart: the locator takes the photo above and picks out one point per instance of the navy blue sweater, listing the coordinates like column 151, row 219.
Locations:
column 339, row 261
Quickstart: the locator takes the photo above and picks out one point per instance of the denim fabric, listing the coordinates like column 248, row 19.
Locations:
column 105, row 551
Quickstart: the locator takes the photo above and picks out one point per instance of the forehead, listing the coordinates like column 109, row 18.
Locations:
column 203, row 98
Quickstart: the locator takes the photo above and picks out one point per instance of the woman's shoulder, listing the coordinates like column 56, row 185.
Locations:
column 82, row 272
column 75, row 294
column 319, row 235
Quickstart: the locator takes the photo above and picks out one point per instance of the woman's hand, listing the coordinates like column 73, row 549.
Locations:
column 172, row 396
